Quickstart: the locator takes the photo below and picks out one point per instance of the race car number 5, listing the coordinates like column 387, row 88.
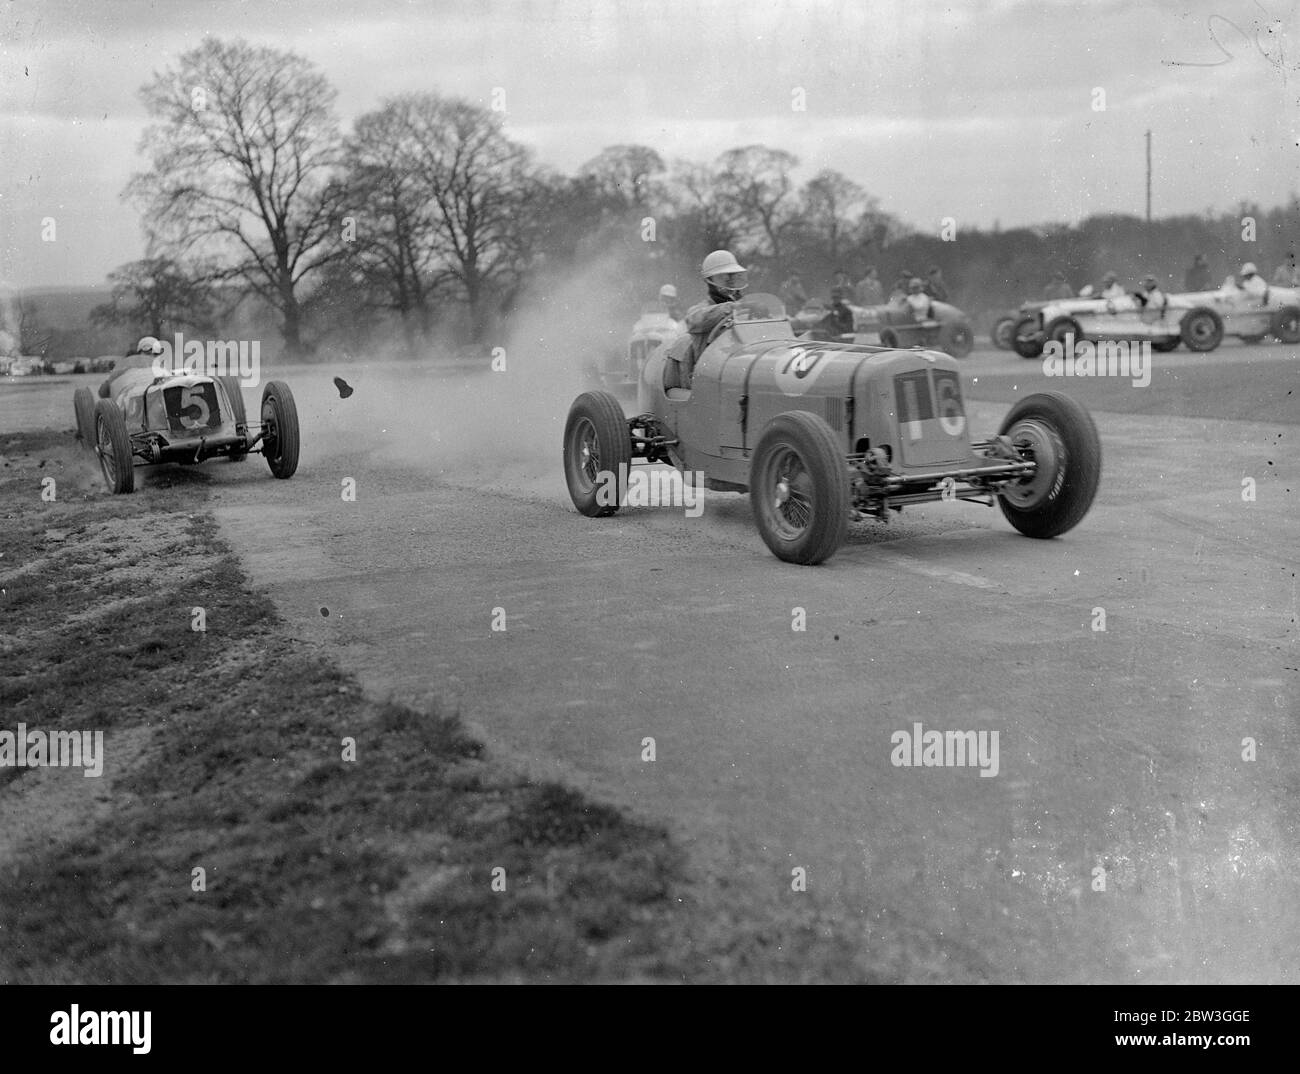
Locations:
column 191, row 398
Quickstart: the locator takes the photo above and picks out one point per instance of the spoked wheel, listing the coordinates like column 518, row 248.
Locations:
column 957, row 340
column 238, row 416
column 799, row 488
column 1024, row 339
column 1201, row 329
column 113, row 446
column 597, row 454
column 1004, row 333
column 1286, row 324
column 280, row 429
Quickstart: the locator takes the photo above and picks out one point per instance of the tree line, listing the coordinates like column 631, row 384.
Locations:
column 426, row 220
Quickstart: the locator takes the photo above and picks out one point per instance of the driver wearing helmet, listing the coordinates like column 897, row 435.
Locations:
column 726, row 280
column 1251, row 282
column 1149, row 294
column 142, row 357
column 917, row 300
column 668, row 300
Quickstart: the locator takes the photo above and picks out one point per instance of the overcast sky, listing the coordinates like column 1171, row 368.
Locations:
column 982, row 111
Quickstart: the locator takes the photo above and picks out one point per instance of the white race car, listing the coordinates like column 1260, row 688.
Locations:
column 1197, row 319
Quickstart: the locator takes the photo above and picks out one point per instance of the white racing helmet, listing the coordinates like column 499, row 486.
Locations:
column 667, row 291
column 148, row 345
column 1249, row 269
column 723, row 271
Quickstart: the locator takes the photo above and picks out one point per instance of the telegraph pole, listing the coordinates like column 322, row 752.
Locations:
column 1148, row 179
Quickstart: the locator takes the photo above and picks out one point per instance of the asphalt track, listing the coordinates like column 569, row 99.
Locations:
column 1123, row 838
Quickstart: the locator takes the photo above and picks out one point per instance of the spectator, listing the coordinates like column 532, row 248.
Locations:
column 1286, row 274
column 1197, row 277
column 793, row 294
column 1058, row 289
column 843, row 281
column 935, row 286
column 869, row 292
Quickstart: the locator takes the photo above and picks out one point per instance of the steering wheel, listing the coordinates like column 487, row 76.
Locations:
column 720, row 327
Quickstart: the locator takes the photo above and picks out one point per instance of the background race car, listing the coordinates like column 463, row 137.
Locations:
column 184, row 418
column 1200, row 320
column 946, row 328
column 619, row 372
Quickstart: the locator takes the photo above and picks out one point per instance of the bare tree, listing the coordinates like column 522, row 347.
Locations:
column 241, row 153
column 393, row 254
column 755, row 183
column 832, row 206
column 626, row 176
column 155, row 294
column 485, row 194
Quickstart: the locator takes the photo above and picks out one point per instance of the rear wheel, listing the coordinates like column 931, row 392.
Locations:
column 956, row 339
column 1004, row 333
column 1024, row 338
column 1201, row 329
column 799, row 488
column 597, row 454
column 238, row 415
column 280, row 429
column 1059, row 435
column 83, row 402
column 1286, row 324
column 113, row 446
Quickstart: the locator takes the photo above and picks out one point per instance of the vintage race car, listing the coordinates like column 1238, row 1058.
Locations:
column 1199, row 320
column 946, row 328
column 620, row 373
column 185, row 418
column 819, row 433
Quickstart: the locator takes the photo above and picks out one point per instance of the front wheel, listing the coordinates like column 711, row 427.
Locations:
column 1004, row 333
column 113, row 446
column 1201, row 329
column 1066, row 332
column 1286, row 324
column 83, row 402
column 799, row 488
column 280, row 429
column 238, row 416
column 1059, row 435
column 597, row 454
